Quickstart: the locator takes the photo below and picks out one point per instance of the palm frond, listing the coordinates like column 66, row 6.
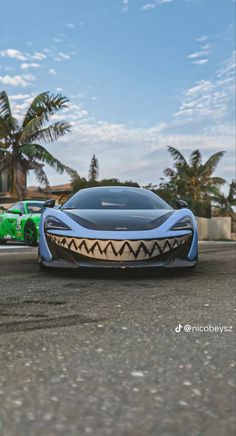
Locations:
column 169, row 172
column 7, row 127
column 30, row 129
column 4, row 129
column 195, row 158
column 7, row 122
column 49, row 134
column 40, row 174
column 5, row 109
column 210, row 165
column 232, row 190
column 45, row 105
column 177, row 156
column 38, row 152
column 216, row 181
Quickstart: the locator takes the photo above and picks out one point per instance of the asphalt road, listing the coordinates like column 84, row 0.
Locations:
column 99, row 355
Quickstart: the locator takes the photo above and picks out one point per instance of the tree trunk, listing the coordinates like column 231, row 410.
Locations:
column 4, row 182
column 18, row 181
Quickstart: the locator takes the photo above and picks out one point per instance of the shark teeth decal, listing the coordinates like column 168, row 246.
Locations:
column 118, row 250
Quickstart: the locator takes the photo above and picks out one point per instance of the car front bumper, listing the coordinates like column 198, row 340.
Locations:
column 175, row 263
column 146, row 250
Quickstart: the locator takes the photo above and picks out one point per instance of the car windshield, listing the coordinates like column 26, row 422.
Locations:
column 35, row 207
column 115, row 198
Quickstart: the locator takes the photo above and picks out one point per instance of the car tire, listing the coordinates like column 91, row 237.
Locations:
column 30, row 234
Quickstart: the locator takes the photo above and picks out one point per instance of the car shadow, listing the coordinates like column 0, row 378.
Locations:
column 121, row 274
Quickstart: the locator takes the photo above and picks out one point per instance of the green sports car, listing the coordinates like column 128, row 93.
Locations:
column 21, row 222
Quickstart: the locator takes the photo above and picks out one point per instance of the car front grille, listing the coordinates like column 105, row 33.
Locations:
column 120, row 250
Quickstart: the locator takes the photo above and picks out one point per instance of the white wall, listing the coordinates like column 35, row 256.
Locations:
column 213, row 229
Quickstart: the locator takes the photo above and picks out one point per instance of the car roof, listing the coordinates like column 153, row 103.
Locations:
column 114, row 187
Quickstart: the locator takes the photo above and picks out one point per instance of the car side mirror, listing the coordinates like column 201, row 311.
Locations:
column 16, row 211
column 49, row 203
column 180, row 204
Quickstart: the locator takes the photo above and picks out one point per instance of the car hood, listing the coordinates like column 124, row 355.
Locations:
column 119, row 220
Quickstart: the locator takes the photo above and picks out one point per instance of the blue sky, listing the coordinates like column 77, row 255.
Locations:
column 140, row 74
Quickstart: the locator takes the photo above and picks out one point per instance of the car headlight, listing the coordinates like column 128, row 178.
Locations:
column 185, row 223
column 54, row 223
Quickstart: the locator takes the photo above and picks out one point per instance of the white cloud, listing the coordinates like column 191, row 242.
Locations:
column 200, row 57
column 210, row 99
column 61, row 56
column 25, row 66
column 70, row 25
column 20, row 103
column 29, row 77
column 125, row 4
column 227, row 70
column 202, row 38
column 155, row 4
column 129, row 152
column 198, row 54
column 57, row 40
column 38, row 56
column 52, row 71
column 201, row 87
column 149, row 166
column 74, row 25
column 14, row 54
column 28, row 57
column 19, row 96
column 64, row 55
column 17, row 80
column 149, row 6
column 77, row 96
column 206, row 46
column 201, row 61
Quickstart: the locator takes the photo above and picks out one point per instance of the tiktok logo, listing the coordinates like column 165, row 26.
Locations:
column 178, row 328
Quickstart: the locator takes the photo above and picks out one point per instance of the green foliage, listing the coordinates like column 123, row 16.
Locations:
column 78, row 182
column 192, row 181
column 225, row 203
column 81, row 183
column 93, row 170
column 21, row 147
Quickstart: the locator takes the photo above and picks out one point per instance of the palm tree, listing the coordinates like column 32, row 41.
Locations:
column 193, row 179
column 21, row 146
column 225, row 202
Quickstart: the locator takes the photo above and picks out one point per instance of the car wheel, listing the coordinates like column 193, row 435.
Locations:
column 30, row 234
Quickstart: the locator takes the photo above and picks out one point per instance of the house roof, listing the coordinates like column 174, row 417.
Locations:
column 36, row 193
